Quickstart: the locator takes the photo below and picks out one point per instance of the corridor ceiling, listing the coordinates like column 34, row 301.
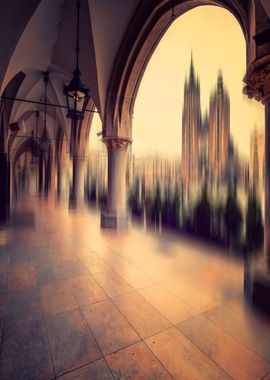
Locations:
column 39, row 35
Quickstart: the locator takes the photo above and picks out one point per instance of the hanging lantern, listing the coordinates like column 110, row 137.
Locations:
column 77, row 95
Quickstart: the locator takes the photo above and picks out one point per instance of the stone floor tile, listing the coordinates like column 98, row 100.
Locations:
column 247, row 329
column 137, row 279
column 112, row 283
column 182, row 358
column 66, row 248
column 136, row 362
column 22, row 276
column 97, row 370
column 72, row 268
column 92, row 262
column 167, row 304
column 25, row 352
column 86, row 290
column 3, row 282
column 56, row 297
column 26, row 256
column 267, row 377
column 145, row 319
column 193, row 297
column 111, row 330
column 59, row 253
column 232, row 356
column 72, row 344
column 4, row 263
column 22, row 304
column 49, row 272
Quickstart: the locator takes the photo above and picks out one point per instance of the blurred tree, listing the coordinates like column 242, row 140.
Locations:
column 175, row 208
column 202, row 215
column 254, row 225
column 157, row 205
column 135, row 198
column 167, row 207
column 218, row 222
column 233, row 219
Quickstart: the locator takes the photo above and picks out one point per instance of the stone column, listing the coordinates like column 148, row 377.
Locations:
column 267, row 186
column 61, row 179
column 47, row 173
column 40, row 175
column 4, row 187
column 115, row 216
column 258, row 87
column 77, row 192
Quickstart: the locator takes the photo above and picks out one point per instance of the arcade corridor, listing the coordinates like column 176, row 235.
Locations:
column 80, row 302
column 80, row 298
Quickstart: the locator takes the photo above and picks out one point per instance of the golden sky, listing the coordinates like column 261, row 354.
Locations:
column 216, row 40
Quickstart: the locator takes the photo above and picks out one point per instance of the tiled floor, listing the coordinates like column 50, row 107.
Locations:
column 77, row 302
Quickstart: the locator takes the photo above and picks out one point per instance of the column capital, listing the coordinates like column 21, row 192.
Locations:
column 257, row 80
column 117, row 143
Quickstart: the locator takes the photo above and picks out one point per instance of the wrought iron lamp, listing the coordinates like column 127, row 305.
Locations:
column 77, row 95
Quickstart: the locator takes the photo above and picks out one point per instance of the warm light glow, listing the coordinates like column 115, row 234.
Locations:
column 217, row 41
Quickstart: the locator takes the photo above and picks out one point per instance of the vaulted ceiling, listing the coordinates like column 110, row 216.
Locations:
column 39, row 35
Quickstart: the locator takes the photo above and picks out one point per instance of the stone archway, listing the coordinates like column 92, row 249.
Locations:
column 147, row 27
column 31, row 146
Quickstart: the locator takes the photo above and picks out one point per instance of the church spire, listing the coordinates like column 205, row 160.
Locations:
column 220, row 84
column 191, row 71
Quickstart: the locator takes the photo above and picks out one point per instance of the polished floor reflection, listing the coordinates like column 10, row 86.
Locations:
column 78, row 302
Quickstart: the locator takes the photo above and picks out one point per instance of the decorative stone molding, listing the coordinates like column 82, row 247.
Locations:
column 258, row 82
column 117, row 143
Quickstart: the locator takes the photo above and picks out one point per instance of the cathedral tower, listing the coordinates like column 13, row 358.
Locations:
column 219, row 131
column 191, row 123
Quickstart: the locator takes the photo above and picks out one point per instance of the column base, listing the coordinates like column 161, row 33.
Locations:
column 76, row 204
column 261, row 290
column 257, row 285
column 113, row 220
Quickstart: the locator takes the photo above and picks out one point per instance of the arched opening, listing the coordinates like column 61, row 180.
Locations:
column 96, row 178
column 30, row 173
column 192, row 126
column 161, row 105
column 137, row 48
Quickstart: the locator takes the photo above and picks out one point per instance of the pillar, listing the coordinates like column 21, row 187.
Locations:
column 4, row 187
column 78, row 172
column 40, row 175
column 267, row 188
column 115, row 215
column 47, row 172
column 258, row 87
column 61, row 179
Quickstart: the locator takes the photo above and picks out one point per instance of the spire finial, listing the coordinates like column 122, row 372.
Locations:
column 191, row 71
column 220, row 85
